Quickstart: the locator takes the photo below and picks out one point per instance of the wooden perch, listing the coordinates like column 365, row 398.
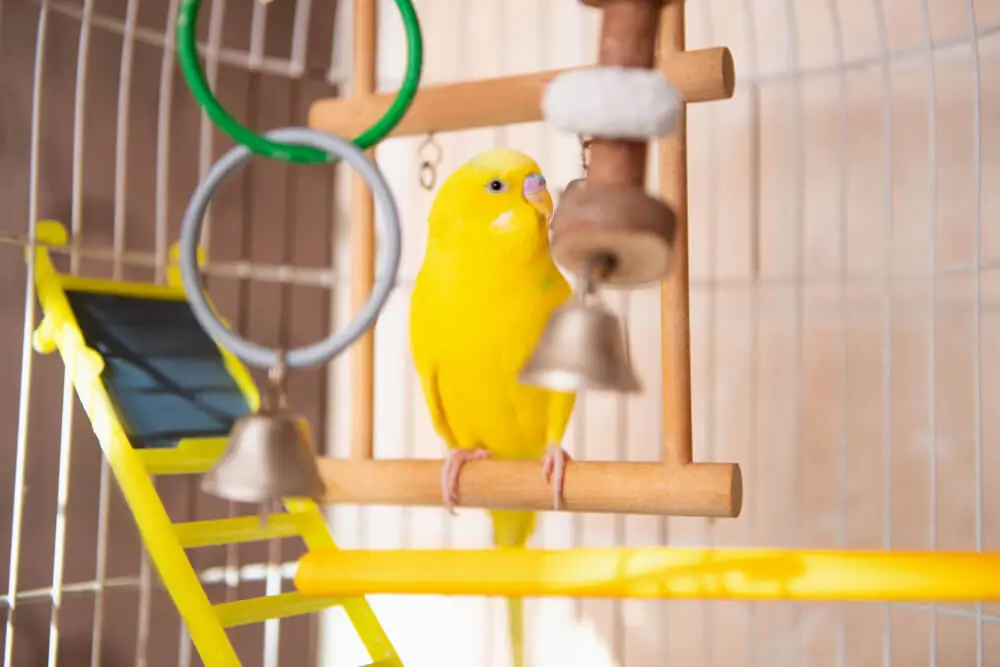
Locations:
column 700, row 76
column 697, row 489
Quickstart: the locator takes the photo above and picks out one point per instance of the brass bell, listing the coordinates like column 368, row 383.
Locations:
column 268, row 457
column 582, row 347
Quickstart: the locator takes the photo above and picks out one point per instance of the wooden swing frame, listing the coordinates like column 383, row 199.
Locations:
column 675, row 486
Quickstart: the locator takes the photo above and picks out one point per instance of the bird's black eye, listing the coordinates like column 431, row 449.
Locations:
column 496, row 186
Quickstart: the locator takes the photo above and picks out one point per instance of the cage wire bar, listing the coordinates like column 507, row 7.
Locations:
column 27, row 354
column 842, row 302
column 887, row 314
column 925, row 20
column 711, row 223
column 751, row 72
column 119, row 256
column 977, row 303
column 68, row 396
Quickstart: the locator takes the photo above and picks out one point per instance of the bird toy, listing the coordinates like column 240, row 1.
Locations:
column 607, row 229
column 246, row 471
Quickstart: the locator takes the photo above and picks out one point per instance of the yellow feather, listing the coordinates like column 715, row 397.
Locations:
column 481, row 299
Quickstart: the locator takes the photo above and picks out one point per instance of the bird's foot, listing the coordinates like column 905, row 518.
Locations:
column 554, row 471
column 452, row 467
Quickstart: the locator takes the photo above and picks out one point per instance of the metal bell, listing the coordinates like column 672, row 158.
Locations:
column 268, row 457
column 582, row 347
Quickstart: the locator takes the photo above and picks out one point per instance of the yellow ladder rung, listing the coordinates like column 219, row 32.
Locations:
column 189, row 457
column 257, row 610
column 236, row 530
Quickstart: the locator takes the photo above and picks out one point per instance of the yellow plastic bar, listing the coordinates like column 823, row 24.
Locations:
column 120, row 288
column 257, row 610
column 191, row 456
column 216, row 532
column 60, row 330
column 747, row 574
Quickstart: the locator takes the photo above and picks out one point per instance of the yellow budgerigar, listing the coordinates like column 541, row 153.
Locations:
column 483, row 295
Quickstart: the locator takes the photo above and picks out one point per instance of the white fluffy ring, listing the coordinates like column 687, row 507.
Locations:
column 612, row 103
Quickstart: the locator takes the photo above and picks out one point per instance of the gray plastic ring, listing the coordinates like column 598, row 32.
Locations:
column 387, row 224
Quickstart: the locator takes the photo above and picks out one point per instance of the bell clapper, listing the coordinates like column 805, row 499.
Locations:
column 596, row 269
column 273, row 399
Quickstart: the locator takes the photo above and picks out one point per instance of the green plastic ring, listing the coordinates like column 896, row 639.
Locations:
column 187, row 51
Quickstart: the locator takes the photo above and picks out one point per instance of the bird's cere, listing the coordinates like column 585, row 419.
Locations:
column 533, row 184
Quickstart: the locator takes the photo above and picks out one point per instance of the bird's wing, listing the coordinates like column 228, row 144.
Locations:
column 428, row 382
column 425, row 358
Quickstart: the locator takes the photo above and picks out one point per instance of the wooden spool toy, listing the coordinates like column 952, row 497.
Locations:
column 608, row 219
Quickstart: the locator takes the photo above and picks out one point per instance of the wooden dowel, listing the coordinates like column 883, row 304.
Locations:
column 628, row 33
column 617, row 162
column 699, row 489
column 674, row 309
column 700, row 76
column 628, row 39
column 362, row 234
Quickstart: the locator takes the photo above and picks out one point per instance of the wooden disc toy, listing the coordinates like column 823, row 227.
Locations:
column 633, row 230
column 620, row 104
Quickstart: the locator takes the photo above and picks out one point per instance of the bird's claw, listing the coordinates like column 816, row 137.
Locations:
column 451, row 470
column 554, row 471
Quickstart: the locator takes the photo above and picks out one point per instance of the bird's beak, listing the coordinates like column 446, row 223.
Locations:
column 536, row 194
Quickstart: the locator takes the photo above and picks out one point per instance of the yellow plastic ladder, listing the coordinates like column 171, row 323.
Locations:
column 134, row 469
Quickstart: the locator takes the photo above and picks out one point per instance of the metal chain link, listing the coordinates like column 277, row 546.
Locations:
column 430, row 153
column 276, row 375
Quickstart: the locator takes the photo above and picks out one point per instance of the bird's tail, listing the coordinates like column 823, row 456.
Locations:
column 511, row 530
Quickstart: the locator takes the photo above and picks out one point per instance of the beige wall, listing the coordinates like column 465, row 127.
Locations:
column 825, row 217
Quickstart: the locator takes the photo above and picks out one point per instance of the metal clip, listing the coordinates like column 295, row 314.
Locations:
column 276, row 383
column 584, row 153
column 430, row 153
